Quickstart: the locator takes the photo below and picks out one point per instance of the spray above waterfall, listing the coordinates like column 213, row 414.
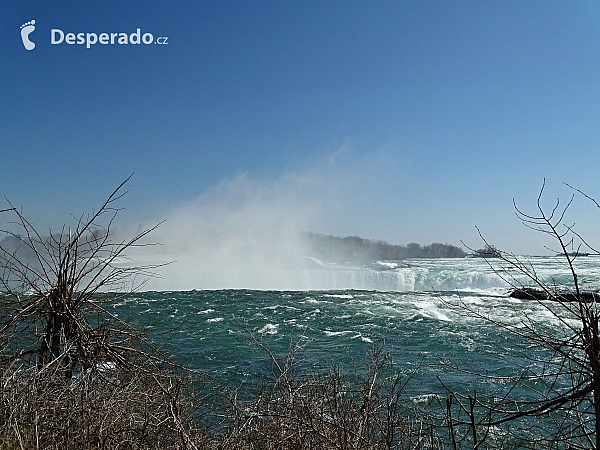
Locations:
column 239, row 233
column 246, row 233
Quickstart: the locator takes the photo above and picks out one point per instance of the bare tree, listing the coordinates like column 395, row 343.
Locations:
column 74, row 375
column 559, row 366
column 54, row 288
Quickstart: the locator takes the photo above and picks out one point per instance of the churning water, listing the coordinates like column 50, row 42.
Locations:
column 430, row 312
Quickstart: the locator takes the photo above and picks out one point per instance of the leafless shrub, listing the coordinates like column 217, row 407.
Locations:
column 563, row 381
column 74, row 375
column 301, row 409
column 102, row 409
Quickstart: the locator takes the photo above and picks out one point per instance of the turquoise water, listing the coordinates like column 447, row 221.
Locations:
column 433, row 316
column 441, row 314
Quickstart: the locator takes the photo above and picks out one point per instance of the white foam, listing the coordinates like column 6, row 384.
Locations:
column 362, row 338
column 336, row 333
column 269, row 328
column 424, row 398
column 215, row 319
column 472, row 300
column 429, row 310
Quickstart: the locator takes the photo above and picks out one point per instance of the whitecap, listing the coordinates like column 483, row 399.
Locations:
column 472, row 300
column 362, row 338
column 429, row 310
column 424, row 398
column 336, row 333
column 215, row 319
column 269, row 329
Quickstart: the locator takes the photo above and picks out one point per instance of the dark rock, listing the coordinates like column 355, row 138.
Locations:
column 531, row 293
column 528, row 293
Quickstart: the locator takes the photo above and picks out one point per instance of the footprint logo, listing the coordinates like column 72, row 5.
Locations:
column 26, row 30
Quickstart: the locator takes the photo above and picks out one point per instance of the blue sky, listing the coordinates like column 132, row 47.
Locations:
column 418, row 119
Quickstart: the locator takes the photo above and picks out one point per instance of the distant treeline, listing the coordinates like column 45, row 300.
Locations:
column 328, row 248
column 355, row 249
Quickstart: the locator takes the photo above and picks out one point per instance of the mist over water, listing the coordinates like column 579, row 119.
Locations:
column 247, row 233
column 242, row 233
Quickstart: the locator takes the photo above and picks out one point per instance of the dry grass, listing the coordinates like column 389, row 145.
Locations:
column 115, row 408
column 106, row 409
column 299, row 409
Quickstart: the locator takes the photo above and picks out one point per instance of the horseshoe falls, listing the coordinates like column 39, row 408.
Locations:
column 413, row 275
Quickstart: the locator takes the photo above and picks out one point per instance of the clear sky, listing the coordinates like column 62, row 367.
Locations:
column 401, row 120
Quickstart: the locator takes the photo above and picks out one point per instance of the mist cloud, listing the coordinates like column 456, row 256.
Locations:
column 242, row 233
